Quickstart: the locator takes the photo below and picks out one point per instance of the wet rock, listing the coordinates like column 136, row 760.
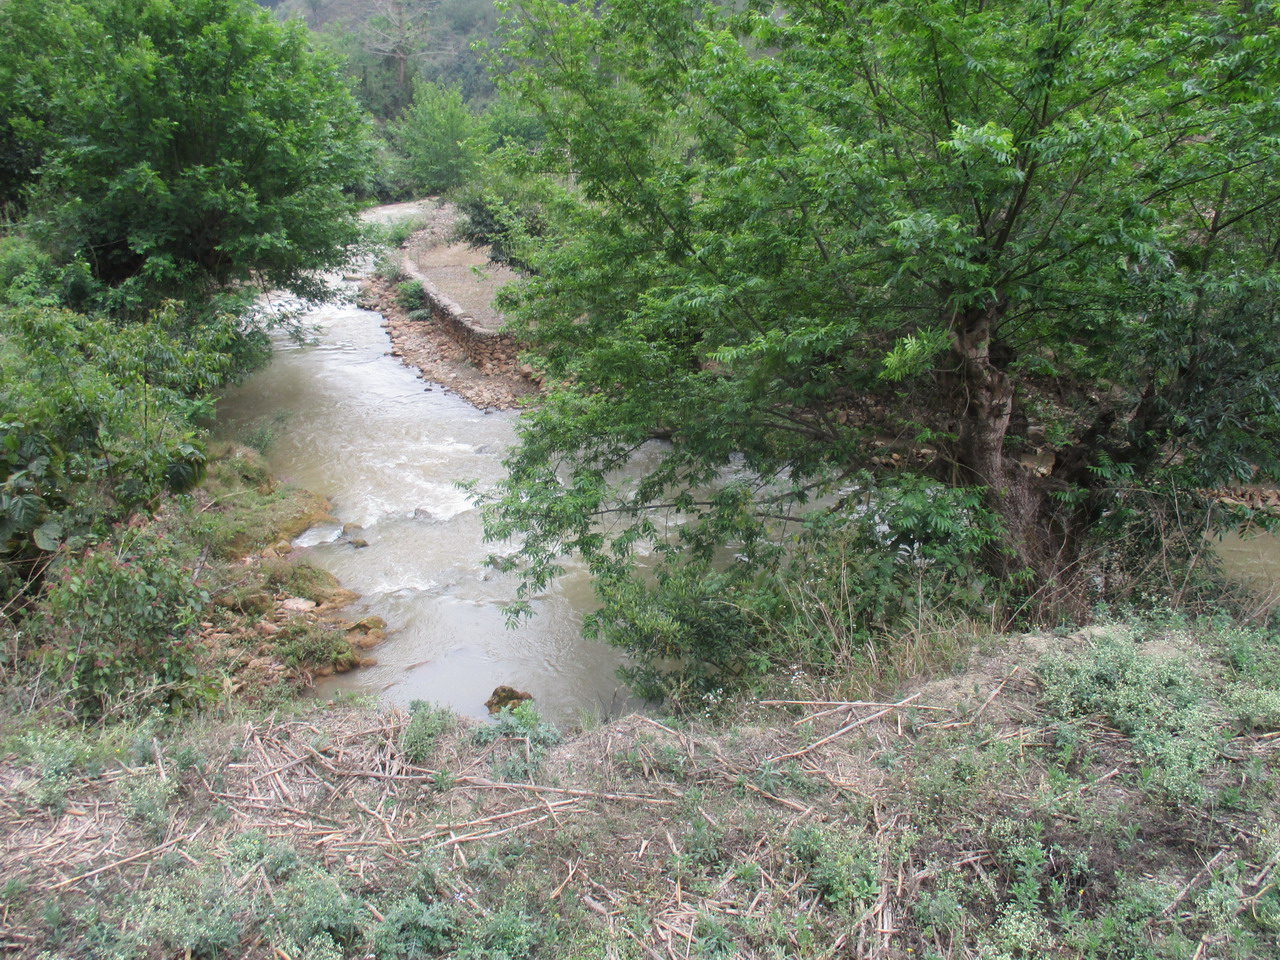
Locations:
column 505, row 696
column 358, row 543
column 350, row 529
column 369, row 624
column 367, row 641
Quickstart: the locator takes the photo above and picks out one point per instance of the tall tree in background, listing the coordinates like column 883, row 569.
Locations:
column 183, row 146
column 397, row 31
column 785, row 235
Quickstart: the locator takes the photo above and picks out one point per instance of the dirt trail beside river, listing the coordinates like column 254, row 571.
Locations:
column 464, row 275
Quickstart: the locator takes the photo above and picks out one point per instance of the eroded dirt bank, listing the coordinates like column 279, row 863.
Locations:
column 463, row 276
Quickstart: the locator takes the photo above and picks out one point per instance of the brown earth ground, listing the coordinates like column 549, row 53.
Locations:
column 465, row 275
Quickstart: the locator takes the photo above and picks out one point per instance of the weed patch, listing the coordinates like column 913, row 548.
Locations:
column 426, row 725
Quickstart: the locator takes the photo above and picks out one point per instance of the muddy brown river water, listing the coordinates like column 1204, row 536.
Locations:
column 352, row 423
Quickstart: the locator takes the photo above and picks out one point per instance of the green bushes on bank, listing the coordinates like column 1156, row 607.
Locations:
column 115, row 627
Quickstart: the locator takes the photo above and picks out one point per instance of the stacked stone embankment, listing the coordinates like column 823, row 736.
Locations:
column 490, row 350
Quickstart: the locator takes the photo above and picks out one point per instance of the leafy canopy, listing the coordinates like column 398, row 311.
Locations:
column 784, row 236
column 179, row 146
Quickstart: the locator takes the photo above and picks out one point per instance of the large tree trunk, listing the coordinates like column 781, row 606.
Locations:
column 1039, row 551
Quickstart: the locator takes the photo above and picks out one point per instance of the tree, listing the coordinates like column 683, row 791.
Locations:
column 785, row 236
column 433, row 136
column 397, row 33
column 187, row 146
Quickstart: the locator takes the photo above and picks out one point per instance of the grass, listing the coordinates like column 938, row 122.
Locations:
column 1114, row 796
column 240, row 508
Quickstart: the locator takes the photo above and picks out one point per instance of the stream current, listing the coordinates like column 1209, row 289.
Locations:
column 352, row 423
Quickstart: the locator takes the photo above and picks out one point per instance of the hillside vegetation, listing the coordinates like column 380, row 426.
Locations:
column 940, row 328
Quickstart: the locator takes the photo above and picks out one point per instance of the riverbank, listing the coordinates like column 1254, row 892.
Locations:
column 1104, row 794
column 451, row 337
column 274, row 624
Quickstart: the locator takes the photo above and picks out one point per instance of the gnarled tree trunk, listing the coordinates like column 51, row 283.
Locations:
column 1039, row 550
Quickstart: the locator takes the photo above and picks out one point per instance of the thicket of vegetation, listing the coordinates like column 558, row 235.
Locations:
column 165, row 163
column 977, row 297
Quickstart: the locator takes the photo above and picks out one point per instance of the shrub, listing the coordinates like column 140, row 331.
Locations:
column 413, row 929
column 419, row 737
column 145, row 800
column 410, row 295
column 100, row 420
column 519, row 723
column 194, row 913
column 301, row 643
column 117, row 625
column 840, row 867
column 252, row 849
column 314, row 903
column 822, row 602
column 434, row 135
column 394, row 235
column 59, row 757
column 507, row 934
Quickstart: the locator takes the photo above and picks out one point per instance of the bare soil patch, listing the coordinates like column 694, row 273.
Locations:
column 465, row 275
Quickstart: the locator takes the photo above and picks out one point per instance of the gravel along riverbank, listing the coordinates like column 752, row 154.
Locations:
column 462, row 352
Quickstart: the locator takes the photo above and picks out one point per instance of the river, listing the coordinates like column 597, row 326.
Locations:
column 354, row 424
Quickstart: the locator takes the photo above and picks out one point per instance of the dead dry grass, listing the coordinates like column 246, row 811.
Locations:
column 669, row 841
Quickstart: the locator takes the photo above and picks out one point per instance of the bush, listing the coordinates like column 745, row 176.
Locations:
column 313, row 903
column 435, row 138
column 823, row 602
column 410, row 295
column 522, row 725
column 413, row 929
column 99, row 420
column 301, row 643
column 418, row 739
column 841, row 868
column 116, row 627
column 507, row 934
column 195, row 914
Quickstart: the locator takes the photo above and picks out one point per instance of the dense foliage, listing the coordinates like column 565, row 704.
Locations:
column 433, row 138
column 785, row 237
column 178, row 147
column 160, row 159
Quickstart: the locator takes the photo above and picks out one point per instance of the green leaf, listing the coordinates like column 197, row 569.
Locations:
column 48, row 536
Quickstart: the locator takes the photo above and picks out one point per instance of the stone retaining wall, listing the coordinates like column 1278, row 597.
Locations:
column 485, row 348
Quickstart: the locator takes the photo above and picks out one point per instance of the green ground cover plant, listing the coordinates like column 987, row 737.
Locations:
column 1014, row 814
